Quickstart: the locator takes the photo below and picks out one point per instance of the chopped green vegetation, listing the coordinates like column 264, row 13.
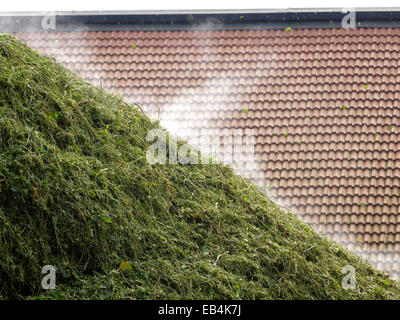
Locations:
column 387, row 282
column 246, row 111
column 288, row 29
column 190, row 18
column 389, row 128
column 78, row 193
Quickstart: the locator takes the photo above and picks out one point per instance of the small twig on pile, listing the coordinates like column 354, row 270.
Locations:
column 219, row 256
column 137, row 105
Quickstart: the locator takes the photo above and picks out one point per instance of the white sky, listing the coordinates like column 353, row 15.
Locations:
column 91, row 5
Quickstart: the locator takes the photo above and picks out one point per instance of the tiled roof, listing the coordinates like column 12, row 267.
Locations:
column 323, row 103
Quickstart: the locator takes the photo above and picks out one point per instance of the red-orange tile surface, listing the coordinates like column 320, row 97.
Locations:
column 323, row 104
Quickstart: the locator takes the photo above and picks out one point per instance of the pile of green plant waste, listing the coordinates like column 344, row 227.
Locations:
column 77, row 192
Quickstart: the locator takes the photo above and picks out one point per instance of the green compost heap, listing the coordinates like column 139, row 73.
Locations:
column 77, row 192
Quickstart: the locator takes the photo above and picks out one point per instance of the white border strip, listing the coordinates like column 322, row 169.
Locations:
column 153, row 12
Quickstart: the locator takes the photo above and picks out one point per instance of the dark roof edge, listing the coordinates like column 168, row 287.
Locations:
column 196, row 19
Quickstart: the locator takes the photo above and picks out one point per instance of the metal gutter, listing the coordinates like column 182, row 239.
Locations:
column 197, row 19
